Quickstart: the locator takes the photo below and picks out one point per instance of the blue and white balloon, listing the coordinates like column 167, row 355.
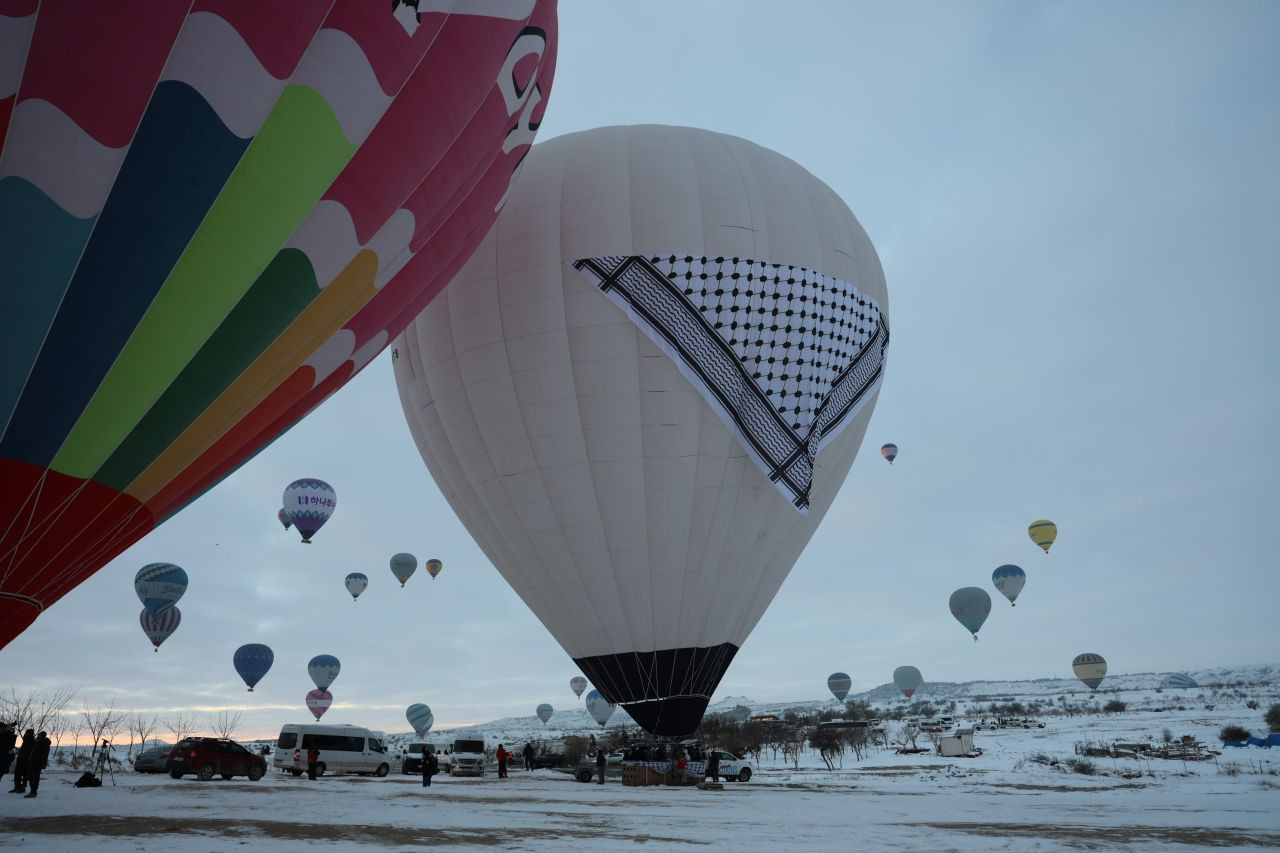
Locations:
column 600, row 708
column 356, row 583
column 159, row 586
column 309, row 503
column 159, row 627
column 1009, row 579
column 420, row 718
column 323, row 669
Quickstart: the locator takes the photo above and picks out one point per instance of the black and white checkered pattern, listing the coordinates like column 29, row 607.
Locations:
column 787, row 355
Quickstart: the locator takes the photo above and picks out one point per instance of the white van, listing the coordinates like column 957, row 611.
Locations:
column 343, row 749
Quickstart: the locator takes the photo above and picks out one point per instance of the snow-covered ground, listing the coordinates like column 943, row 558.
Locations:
column 1001, row 800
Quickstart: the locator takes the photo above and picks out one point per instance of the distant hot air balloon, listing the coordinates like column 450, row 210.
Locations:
column 159, row 586
column 544, row 712
column 600, row 708
column 1090, row 668
column 433, row 567
column 704, row 347
column 420, row 718
column 252, row 661
column 356, row 583
column 159, row 627
column 1009, row 580
column 1043, row 532
column 403, row 566
column 283, row 515
column 323, row 669
column 310, row 504
column 907, row 679
column 839, row 683
column 214, row 215
column 577, row 684
column 318, row 701
column 1179, row 681
column 889, row 452
column 971, row 606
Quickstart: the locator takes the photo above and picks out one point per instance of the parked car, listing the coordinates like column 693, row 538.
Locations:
column 151, row 760
column 210, row 756
column 548, row 760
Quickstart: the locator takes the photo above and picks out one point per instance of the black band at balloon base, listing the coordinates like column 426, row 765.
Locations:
column 665, row 691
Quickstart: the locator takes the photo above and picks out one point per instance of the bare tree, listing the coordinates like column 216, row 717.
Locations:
column 180, row 724
column 39, row 710
column 142, row 727
column 103, row 722
column 226, row 723
column 908, row 734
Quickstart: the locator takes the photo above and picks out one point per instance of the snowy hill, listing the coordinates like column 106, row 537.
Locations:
column 1140, row 689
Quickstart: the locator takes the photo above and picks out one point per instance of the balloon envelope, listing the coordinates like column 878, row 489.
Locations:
column 434, row 567
column 215, row 215
column 1043, row 532
column 323, row 669
column 159, row 586
column 1179, row 681
column 600, row 708
column 310, row 504
column 577, row 684
column 1090, row 668
column 637, row 461
column 907, row 679
column 356, row 583
column 161, row 625
column 283, row 515
column 318, row 701
column 839, row 683
column 971, row 606
column 420, row 718
column 252, row 661
column 403, row 566
column 1009, row 579
column 544, row 712
column 889, row 452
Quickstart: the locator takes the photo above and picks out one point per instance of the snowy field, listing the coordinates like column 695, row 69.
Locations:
column 1000, row 801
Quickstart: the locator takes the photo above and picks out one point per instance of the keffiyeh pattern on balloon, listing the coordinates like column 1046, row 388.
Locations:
column 785, row 355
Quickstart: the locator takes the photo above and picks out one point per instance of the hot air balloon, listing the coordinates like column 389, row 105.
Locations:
column 1043, row 532
column 1090, row 668
column 283, row 515
column 159, row 586
column 403, row 566
column 420, row 718
column 310, row 503
column 544, row 712
column 684, row 374
column 434, row 567
column 318, row 701
column 160, row 626
column 971, row 606
column 356, row 583
column 252, row 661
column 600, row 708
column 215, row 215
column 1009, row 580
column 839, row 683
column 907, row 679
column 889, row 452
column 1179, row 681
column 577, row 684
column 323, row 669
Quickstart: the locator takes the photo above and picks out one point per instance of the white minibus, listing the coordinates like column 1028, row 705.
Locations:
column 343, row 749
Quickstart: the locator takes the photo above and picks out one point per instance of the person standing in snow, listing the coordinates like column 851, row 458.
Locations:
column 503, row 755
column 528, row 756
column 8, row 738
column 39, row 760
column 313, row 758
column 430, row 766
column 24, row 757
column 713, row 766
column 601, row 761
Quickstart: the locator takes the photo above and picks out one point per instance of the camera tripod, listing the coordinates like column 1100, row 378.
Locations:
column 103, row 762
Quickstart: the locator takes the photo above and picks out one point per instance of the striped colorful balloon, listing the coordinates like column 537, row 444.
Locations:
column 318, row 701
column 212, row 215
column 160, row 626
column 310, row 504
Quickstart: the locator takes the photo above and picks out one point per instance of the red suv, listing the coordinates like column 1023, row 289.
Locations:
column 207, row 756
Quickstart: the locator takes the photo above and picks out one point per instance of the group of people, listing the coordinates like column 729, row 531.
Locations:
column 27, row 760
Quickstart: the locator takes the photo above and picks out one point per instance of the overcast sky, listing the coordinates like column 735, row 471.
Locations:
column 1077, row 208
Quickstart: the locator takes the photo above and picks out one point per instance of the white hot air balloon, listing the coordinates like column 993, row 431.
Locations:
column 577, row 684
column 600, row 708
column 544, row 712
column 643, row 391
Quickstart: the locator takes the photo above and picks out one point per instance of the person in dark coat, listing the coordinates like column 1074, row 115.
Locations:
column 8, row 740
column 39, row 760
column 601, row 761
column 713, row 765
column 24, row 757
column 503, row 755
column 313, row 758
column 528, row 756
column 430, row 766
